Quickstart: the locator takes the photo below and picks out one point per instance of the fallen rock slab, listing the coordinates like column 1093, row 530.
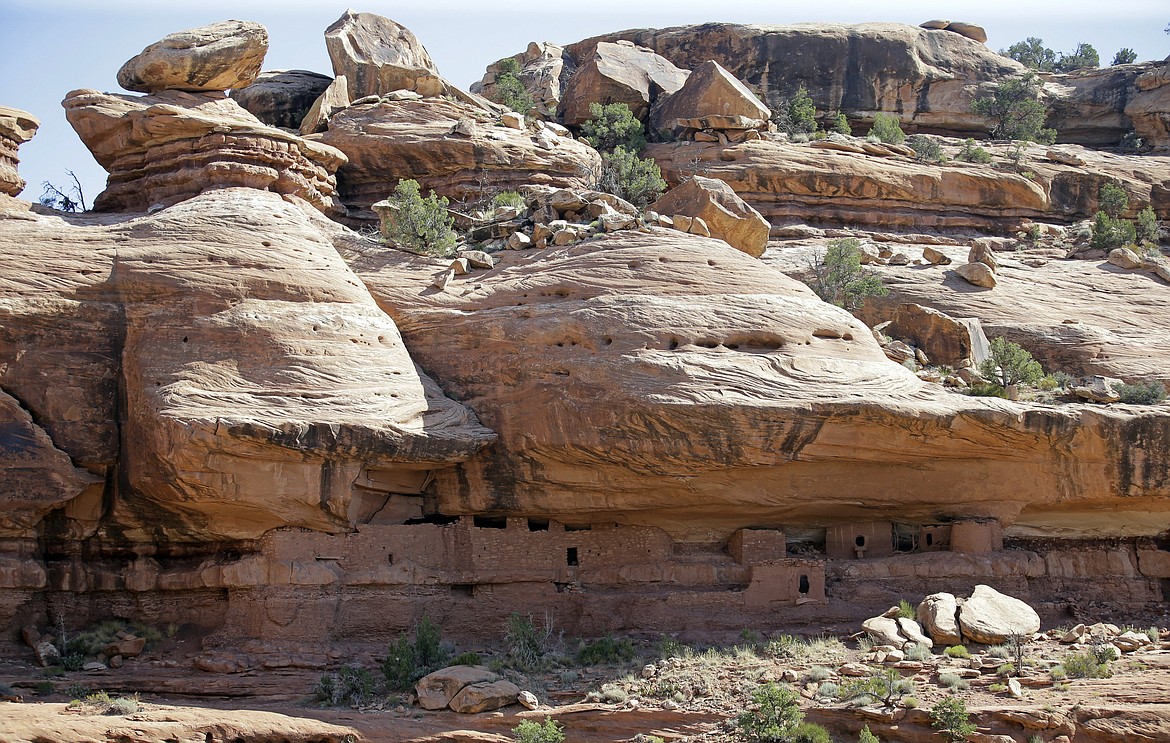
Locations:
column 979, row 274
column 726, row 216
column 220, row 56
column 281, row 98
column 483, row 697
column 437, row 689
column 991, row 618
column 938, row 613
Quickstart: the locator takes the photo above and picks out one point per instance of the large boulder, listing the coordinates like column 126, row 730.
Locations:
column 945, row 340
column 619, row 72
column 281, row 98
column 220, row 56
column 978, row 274
column 938, row 614
column 544, row 71
column 457, row 150
column 728, row 217
column 992, row 618
column 16, row 128
column 484, row 697
column 378, row 56
column 710, row 90
column 163, row 148
column 334, row 98
column 437, row 689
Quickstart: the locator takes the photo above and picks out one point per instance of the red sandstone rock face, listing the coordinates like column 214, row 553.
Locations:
column 733, row 397
column 164, row 148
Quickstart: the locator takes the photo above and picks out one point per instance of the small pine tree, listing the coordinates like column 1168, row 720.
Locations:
column 1111, row 232
column 839, row 124
column 1032, row 54
column 951, row 719
column 1016, row 110
column 1084, row 57
column 1148, row 230
column 865, row 736
column 1010, row 364
column 775, row 716
column 417, row 223
column 1112, row 199
column 839, row 279
column 627, row 176
column 973, row 153
column 1125, row 55
column 796, row 115
column 887, row 128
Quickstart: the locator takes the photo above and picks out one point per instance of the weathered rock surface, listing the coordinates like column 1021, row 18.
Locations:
column 333, row 99
column 415, row 139
column 16, row 128
column 259, row 378
column 977, row 274
column 938, row 613
column 618, row 72
column 992, row 618
column 437, row 689
column 220, row 56
column 544, row 70
column 282, row 98
column 1149, row 108
column 884, row 631
column 783, row 181
column 726, row 215
column 164, row 148
column 650, row 319
column 485, row 696
column 710, row 90
column 944, row 339
column 378, row 56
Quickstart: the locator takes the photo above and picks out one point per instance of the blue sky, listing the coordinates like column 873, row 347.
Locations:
column 54, row 46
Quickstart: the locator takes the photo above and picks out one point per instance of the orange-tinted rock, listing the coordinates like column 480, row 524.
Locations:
column 725, row 215
column 164, row 148
column 16, row 128
column 220, row 56
column 378, row 56
column 710, row 90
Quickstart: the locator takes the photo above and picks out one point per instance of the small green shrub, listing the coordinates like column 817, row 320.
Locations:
column 865, row 736
column 407, row 661
column 1148, row 230
column 1006, row 669
column 973, row 153
column 807, row 732
column 606, row 651
column 887, row 687
column 919, row 652
column 839, row 279
column 510, row 90
column 1086, row 665
column 1150, row 393
column 614, row 694
column 986, row 389
column 887, row 128
column 926, row 148
column 613, row 126
column 670, row 647
column 775, row 715
column 953, row 681
column 1010, row 364
column 795, row 115
column 1111, row 232
column 817, row 674
column 508, row 198
column 122, row 706
column 838, row 123
column 535, row 732
column 1125, row 55
column 1130, row 142
column 951, row 719
column 906, row 610
column 1112, row 199
column 957, row 651
column 73, row 661
column 527, row 646
column 418, row 223
column 351, row 686
column 828, row 690
column 627, row 176
column 468, row 658
column 999, row 651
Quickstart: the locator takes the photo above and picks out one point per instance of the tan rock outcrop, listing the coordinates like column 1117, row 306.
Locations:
column 978, row 274
column 938, row 613
column 282, row 98
column 1149, row 107
column 484, row 697
column 710, row 90
column 726, row 215
column 260, row 380
column 415, row 139
column 437, row 689
column 944, row 339
column 992, row 618
column 618, row 72
column 164, row 148
column 16, row 128
column 378, row 56
column 544, row 70
column 333, row 99
column 216, row 57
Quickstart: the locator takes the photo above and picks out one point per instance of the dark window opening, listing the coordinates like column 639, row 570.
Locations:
column 462, row 589
column 571, row 527
column 537, row 525
column 390, row 559
column 490, row 522
column 562, row 587
column 571, row 556
column 860, row 541
column 929, row 539
column 803, row 588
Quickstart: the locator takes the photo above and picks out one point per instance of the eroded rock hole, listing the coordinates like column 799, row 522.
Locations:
column 571, row 556
column 489, row 522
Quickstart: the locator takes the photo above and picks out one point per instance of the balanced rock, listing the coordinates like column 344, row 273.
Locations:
column 727, row 216
column 991, row 618
column 544, row 70
column 378, row 56
column 970, row 30
column 981, row 252
column 333, row 99
column 978, row 274
column 221, row 56
column 938, row 613
column 437, row 689
column 619, row 72
column 710, row 90
column 1098, row 388
column 944, row 339
column 16, row 128
column 484, row 697
column 282, row 98
column 935, row 257
column 161, row 149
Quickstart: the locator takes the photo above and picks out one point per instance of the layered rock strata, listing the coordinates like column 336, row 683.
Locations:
column 16, row 128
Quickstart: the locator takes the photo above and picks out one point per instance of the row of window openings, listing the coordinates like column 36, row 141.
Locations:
column 571, row 558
